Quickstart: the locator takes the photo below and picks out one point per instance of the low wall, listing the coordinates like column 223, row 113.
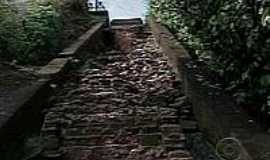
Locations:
column 219, row 117
column 176, row 53
column 26, row 104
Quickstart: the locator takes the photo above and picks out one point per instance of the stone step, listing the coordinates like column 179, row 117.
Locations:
column 126, row 108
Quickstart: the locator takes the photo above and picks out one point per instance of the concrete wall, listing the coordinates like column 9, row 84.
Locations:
column 218, row 116
column 24, row 106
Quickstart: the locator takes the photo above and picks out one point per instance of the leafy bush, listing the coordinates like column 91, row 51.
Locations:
column 29, row 38
column 11, row 33
column 41, row 25
column 43, row 29
column 232, row 37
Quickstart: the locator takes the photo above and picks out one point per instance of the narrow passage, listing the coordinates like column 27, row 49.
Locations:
column 121, row 105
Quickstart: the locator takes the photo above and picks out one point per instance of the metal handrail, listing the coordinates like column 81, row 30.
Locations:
column 98, row 5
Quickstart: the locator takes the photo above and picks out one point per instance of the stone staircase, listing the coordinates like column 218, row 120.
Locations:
column 121, row 105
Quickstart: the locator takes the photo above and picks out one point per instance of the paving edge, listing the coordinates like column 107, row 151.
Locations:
column 31, row 100
column 176, row 53
column 83, row 40
column 218, row 116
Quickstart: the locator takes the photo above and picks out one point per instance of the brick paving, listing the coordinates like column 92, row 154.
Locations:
column 122, row 105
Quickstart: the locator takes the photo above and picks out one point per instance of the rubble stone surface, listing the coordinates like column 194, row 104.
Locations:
column 119, row 106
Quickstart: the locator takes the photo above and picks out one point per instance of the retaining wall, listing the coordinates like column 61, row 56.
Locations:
column 218, row 115
column 25, row 105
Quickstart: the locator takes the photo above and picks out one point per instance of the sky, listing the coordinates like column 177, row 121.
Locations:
column 126, row 8
column 121, row 8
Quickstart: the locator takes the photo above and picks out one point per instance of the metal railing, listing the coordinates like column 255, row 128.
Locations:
column 96, row 6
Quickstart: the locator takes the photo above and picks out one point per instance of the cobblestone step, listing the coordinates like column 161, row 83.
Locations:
column 126, row 107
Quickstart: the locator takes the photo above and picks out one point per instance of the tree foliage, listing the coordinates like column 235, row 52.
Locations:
column 231, row 36
column 35, row 32
column 11, row 33
column 28, row 38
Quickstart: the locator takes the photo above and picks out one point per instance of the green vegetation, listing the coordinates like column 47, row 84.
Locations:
column 11, row 35
column 231, row 36
column 41, row 30
column 41, row 26
column 28, row 38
